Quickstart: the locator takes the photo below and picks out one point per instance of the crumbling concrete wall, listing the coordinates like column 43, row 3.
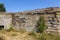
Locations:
column 5, row 20
column 27, row 20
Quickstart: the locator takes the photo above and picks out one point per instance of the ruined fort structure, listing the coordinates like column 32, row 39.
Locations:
column 27, row 20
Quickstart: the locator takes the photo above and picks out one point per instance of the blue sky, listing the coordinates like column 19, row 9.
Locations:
column 22, row 5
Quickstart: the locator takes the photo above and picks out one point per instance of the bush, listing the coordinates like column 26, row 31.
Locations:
column 41, row 25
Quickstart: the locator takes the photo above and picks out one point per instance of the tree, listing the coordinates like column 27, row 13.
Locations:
column 2, row 8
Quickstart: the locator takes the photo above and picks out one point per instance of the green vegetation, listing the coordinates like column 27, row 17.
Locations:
column 41, row 25
column 46, row 36
column 2, row 8
column 11, row 28
column 32, row 34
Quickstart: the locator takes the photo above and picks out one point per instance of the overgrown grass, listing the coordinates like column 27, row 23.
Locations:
column 46, row 36
column 2, row 38
column 32, row 34
column 10, row 29
column 37, row 36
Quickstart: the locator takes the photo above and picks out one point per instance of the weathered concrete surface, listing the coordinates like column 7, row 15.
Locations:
column 5, row 20
column 27, row 20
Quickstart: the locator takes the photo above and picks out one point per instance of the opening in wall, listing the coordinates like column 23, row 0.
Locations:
column 1, row 27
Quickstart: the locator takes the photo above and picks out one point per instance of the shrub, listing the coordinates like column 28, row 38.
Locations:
column 41, row 25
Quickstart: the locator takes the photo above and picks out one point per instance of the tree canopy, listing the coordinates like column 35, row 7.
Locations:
column 2, row 8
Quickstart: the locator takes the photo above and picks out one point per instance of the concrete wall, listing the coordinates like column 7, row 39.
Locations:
column 5, row 20
column 28, row 20
column 58, row 18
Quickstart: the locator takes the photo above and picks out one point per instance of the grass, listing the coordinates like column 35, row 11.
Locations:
column 2, row 38
column 31, row 34
column 45, row 36
column 36, row 36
